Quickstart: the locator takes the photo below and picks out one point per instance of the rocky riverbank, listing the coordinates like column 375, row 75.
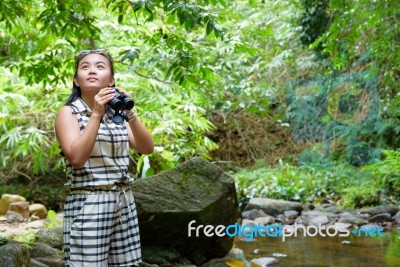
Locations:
column 261, row 212
column 189, row 216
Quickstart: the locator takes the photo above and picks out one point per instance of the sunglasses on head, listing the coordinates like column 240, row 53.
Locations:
column 93, row 51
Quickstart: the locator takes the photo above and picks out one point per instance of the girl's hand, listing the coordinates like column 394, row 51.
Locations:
column 101, row 99
column 123, row 92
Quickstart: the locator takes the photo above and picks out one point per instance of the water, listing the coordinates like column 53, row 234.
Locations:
column 351, row 251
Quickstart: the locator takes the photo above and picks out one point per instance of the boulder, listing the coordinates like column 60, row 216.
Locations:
column 42, row 250
column 38, row 210
column 20, row 207
column 36, row 263
column 194, row 191
column 51, row 236
column 47, row 255
column 5, row 201
column 13, row 254
column 159, row 255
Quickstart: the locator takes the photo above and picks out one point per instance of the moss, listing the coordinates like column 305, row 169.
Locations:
column 360, row 196
column 3, row 241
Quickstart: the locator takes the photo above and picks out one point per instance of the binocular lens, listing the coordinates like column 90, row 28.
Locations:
column 128, row 103
column 116, row 104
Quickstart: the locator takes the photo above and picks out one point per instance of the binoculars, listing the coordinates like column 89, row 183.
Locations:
column 119, row 103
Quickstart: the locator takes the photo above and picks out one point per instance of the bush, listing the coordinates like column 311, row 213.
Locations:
column 343, row 183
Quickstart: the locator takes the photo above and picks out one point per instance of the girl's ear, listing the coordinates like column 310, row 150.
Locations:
column 112, row 82
column 76, row 82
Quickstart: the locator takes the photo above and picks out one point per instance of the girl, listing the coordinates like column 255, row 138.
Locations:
column 100, row 221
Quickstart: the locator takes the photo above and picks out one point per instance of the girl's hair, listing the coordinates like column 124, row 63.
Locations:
column 76, row 90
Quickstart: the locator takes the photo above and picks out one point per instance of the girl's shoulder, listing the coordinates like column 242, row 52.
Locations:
column 66, row 113
column 64, row 110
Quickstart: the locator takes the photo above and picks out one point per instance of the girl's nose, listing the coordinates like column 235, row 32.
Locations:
column 92, row 71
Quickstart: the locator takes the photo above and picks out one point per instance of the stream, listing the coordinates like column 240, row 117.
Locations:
column 351, row 251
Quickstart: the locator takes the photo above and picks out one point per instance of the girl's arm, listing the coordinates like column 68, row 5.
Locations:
column 76, row 146
column 139, row 138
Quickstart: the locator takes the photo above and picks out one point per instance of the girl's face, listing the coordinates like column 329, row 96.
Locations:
column 94, row 73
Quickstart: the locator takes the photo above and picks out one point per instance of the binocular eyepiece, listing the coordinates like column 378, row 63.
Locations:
column 119, row 103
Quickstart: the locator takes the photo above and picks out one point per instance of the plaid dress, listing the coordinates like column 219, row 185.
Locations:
column 101, row 227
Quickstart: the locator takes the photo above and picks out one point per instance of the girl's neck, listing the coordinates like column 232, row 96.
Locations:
column 89, row 100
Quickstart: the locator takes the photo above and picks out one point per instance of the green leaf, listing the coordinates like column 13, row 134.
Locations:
column 137, row 6
column 210, row 26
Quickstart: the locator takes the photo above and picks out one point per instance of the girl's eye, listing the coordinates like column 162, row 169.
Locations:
column 84, row 67
column 100, row 67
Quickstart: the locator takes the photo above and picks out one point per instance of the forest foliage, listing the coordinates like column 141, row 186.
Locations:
column 325, row 71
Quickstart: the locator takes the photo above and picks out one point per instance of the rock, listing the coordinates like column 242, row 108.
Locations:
column 159, row 255
column 310, row 213
column 342, row 226
column 36, row 263
column 396, row 218
column 13, row 216
column 237, row 254
column 380, row 218
column 5, row 201
column 226, row 262
column 48, row 261
column 347, row 217
column 316, row 217
column 290, row 214
column 253, row 214
column 42, row 250
column 51, row 236
column 16, row 255
column 38, row 210
column 3, row 241
column 392, row 209
column 219, row 262
column 283, row 219
column 328, row 207
column 265, row 220
column 47, row 255
column 236, row 257
column 196, row 191
column 40, row 254
column 273, row 207
column 20, row 207
column 318, row 220
column 39, row 224
column 145, row 264
column 248, row 222
column 264, row 262
column 34, row 218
